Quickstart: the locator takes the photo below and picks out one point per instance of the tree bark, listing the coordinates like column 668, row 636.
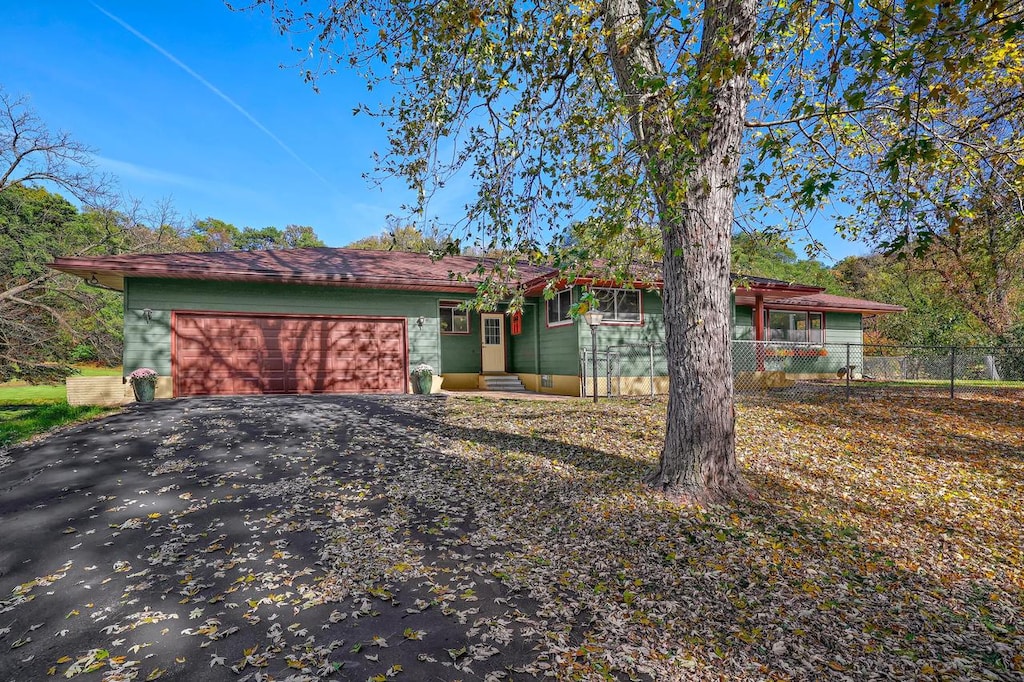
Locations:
column 693, row 152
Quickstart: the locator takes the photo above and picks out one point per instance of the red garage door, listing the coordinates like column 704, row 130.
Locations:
column 227, row 354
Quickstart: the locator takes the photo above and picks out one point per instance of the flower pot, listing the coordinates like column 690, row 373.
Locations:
column 423, row 383
column 144, row 391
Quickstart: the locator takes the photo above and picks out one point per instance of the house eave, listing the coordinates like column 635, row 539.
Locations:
column 113, row 278
column 864, row 310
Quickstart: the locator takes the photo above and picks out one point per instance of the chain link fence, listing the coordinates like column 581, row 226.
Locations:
column 626, row 370
column 850, row 370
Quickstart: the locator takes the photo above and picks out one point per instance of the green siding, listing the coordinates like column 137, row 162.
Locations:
column 743, row 323
column 632, row 341
column 559, row 346
column 559, row 350
column 148, row 344
column 840, row 329
column 843, row 328
column 460, row 353
column 523, row 356
column 743, row 356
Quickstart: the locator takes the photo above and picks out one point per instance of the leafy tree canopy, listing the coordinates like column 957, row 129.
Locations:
column 767, row 254
column 399, row 237
column 211, row 234
column 44, row 315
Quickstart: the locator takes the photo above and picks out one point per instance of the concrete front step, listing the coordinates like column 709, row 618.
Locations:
column 504, row 382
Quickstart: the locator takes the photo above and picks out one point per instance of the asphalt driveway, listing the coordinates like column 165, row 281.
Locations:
column 248, row 539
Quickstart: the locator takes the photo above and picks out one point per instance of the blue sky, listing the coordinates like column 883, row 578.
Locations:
column 279, row 154
column 187, row 100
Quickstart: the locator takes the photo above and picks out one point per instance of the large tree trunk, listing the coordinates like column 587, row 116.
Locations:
column 699, row 458
column 693, row 149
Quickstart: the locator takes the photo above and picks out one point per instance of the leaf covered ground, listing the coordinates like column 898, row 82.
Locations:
column 887, row 540
column 458, row 539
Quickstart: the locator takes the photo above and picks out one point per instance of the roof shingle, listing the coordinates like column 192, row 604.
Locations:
column 824, row 301
column 327, row 266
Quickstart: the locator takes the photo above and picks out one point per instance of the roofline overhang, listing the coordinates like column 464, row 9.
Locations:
column 774, row 289
column 114, row 277
column 864, row 310
column 536, row 286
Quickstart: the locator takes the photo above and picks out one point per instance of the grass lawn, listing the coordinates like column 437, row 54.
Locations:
column 21, row 393
column 19, row 422
column 886, row 540
column 940, row 383
column 26, row 410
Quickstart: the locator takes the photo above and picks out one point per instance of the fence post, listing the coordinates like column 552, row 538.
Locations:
column 650, row 348
column 586, row 391
column 848, row 372
column 952, row 372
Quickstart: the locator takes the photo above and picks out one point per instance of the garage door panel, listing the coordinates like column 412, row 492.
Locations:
column 225, row 354
column 394, row 346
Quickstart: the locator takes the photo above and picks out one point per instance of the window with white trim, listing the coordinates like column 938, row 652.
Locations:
column 618, row 305
column 558, row 308
column 453, row 320
column 796, row 326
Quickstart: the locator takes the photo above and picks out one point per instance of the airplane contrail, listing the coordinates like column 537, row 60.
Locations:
column 212, row 88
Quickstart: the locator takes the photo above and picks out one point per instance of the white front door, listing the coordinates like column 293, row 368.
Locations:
column 492, row 342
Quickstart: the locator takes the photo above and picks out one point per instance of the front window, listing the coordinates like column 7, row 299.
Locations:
column 618, row 305
column 558, row 308
column 795, row 326
column 453, row 320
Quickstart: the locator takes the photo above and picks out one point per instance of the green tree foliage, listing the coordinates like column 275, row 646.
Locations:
column 39, row 308
column 977, row 252
column 623, row 113
column 263, row 239
column 933, row 317
column 767, row 254
column 895, row 112
column 211, row 234
column 45, row 315
column 300, row 237
column 404, row 238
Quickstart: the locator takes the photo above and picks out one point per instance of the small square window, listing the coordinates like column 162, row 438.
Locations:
column 618, row 305
column 453, row 320
column 558, row 308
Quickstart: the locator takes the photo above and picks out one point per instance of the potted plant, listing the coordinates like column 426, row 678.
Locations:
column 422, row 378
column 143, row 381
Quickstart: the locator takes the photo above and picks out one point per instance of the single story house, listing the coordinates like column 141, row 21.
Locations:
column 327, row 320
